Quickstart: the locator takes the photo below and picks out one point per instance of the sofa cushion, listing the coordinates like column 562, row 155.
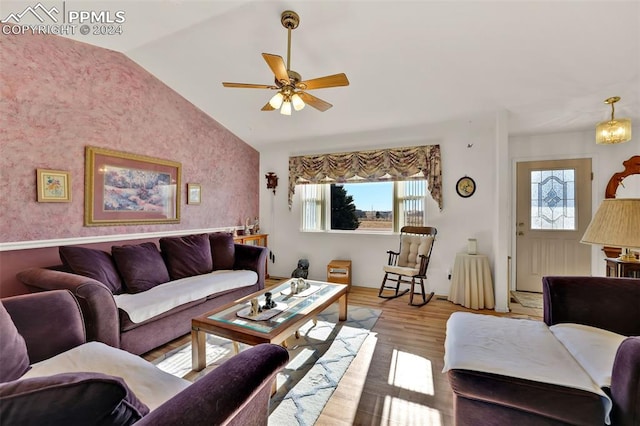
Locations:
column 223, row 250
column 96, row 264
column 187, row 256
column 70, row 399
column 15, row 359
column 141, row 266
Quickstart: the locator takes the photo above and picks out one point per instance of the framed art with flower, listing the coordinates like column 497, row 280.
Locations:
column 127, row 189
column 54, row 186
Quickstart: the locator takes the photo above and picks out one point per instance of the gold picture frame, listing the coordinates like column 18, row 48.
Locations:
column 130, row 189
column 54, row 186
column 194, row 193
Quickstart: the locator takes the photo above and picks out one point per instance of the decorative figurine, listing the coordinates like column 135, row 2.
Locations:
column 302, row 271
column 302, row 285
column 268, row 302
column 255, row 307
column 294, row 288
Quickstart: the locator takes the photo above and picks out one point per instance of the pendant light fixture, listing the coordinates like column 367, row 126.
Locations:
column 613, row 131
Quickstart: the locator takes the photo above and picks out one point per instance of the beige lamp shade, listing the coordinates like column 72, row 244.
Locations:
column 615, row 224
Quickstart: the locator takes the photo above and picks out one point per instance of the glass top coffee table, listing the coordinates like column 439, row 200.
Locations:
column 234, row 322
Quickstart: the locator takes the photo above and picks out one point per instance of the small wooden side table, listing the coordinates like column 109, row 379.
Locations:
column 620, row 268
column 339, row 272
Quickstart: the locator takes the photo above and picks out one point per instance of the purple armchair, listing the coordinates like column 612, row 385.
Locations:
column 612, row 304
column 37, row 327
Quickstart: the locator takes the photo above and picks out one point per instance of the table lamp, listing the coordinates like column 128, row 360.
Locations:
column 616, row 224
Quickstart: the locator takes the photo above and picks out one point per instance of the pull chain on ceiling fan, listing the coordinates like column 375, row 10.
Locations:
column 289, row 84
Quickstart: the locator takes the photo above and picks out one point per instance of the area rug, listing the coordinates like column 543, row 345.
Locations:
column 528, row 299
column 317, row 361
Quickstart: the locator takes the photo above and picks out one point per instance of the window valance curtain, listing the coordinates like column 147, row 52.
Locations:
column 409, row 163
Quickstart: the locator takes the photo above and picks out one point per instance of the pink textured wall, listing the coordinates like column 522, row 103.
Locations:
column 58, row 96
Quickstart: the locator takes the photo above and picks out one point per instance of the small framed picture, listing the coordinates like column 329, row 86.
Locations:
column 194, row 193
column 54, row 186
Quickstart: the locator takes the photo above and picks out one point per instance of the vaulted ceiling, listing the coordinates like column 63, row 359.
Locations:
column 550, row 64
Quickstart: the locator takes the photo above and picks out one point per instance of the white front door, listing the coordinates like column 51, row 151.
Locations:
column 553, row 209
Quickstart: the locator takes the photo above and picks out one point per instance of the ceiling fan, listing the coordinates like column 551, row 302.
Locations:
column 289, row 84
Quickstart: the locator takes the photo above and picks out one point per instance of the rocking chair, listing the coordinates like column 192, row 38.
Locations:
column 409, row 264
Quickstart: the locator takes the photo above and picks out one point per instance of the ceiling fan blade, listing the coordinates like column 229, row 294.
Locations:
column 317, row 103
column 324, row 82
column 248, row 86
column 276, row 63
column 267, row 107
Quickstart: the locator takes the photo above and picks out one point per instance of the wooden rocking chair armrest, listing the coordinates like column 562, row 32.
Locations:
column 393, row 257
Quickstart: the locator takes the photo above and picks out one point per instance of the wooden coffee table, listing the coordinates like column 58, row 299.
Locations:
column 225, row 322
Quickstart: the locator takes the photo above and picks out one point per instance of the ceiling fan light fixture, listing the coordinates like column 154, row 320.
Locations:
column 276, row 100
column 286, row 108
column 297, row 102
column 615, row 130
column 290, row 87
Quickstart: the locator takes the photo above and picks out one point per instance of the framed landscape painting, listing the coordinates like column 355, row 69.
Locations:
column 194, row 193
column 126, row 189
column 53, row 186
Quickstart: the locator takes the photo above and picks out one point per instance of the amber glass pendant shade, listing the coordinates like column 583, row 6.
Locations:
column 613, row 131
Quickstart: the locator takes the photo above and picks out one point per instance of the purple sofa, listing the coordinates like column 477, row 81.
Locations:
column 611, row 304
column 34, row 328
column 96, row 278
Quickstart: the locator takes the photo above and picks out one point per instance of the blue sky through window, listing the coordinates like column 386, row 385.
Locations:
column 377, row 196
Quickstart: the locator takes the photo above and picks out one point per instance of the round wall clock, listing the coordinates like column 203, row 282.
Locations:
column 465, row 187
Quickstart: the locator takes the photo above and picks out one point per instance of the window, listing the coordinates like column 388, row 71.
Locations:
column 363, row 206
column 372, row 204
column 553, row 199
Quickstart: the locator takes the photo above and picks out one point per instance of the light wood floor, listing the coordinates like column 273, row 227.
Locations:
column 396, row 377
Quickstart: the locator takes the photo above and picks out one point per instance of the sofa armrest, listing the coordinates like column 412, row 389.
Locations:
column 235, row 393
column 96, row 301
column 50, row 323
column 253, row 258
column 603, row 302
column 625, row 383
